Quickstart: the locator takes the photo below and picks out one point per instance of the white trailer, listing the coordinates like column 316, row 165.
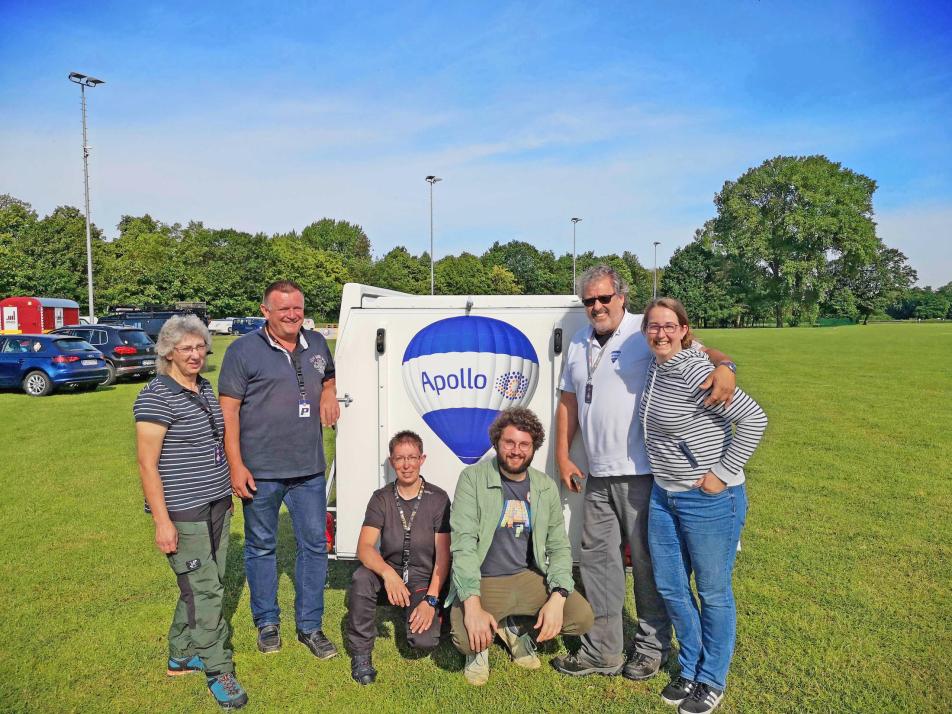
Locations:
column 442, row 366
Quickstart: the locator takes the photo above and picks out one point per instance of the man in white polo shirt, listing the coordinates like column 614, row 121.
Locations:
column 602, row 383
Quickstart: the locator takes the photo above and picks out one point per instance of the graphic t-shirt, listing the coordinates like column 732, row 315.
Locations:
column 511, row 549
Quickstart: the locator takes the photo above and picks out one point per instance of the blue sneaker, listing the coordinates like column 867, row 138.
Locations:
column 227, row 692
column 186, row 665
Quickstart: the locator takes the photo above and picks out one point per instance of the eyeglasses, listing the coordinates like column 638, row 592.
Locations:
column 200, row 349
column 603, row 299
column 511, row 445
column 669, row 328
column 405, row 460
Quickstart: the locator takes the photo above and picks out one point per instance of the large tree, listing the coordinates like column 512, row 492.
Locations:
column 788, row 217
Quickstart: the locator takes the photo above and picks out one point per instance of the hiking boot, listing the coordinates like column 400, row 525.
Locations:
column 320, row 646
column 703, row 699
column 677, row 691
column 476, row 670
column 227, row 692
column 575, row 666
column 362, row 669
column 185, row 665
column 269, row 638
column 521, row 647
column 641, row 666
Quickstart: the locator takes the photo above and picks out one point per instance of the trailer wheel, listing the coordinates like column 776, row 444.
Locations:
column 110, row 376
column 37, row 384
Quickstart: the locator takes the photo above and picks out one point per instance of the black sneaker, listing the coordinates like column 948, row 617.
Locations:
column 269, row 638
column 320, row 646
column 362, row 669
column 703, row 699
column 641, row 666
column 677, row 691
column 574, row 666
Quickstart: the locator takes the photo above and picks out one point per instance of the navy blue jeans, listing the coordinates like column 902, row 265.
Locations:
column 695, row 532
column 307, row 504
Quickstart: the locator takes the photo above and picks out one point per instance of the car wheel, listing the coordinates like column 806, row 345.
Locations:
column 37, row 384
column 110, row 376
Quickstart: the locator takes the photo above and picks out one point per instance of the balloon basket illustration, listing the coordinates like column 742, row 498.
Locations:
column 460, row 372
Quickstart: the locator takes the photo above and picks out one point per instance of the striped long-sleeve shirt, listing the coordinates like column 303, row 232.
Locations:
column 686, row 439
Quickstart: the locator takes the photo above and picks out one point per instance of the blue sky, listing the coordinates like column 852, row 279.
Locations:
column 265, row 117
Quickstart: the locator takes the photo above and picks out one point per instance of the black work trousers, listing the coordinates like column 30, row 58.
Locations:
column 366, row 593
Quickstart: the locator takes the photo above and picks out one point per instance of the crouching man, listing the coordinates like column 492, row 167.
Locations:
column 511, row 554
column 411, row 520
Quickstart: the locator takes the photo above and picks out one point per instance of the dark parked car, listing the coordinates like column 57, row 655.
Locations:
column 244, row 325
column 128, row 350
column 41, row 363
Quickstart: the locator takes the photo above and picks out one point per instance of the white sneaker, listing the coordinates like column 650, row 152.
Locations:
column 521, row 647
column 476, row 670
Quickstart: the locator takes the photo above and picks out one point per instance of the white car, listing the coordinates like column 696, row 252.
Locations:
column 221, row 327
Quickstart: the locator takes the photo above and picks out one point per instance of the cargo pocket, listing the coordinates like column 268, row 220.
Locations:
column 192, row 557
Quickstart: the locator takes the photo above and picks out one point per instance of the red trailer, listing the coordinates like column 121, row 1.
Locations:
column 34, row 315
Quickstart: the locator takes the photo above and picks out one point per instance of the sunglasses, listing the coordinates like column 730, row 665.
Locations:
column 603, row 299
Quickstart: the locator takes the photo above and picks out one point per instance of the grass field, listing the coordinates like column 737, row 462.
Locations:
column 843, row 584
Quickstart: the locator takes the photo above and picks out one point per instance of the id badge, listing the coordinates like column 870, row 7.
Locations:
column 219, row 454
column 304, row 409
column 588, row 393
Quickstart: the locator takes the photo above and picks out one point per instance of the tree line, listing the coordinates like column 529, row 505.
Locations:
column 792, row 240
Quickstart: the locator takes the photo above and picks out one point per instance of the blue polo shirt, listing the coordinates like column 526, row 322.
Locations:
column 276, row 443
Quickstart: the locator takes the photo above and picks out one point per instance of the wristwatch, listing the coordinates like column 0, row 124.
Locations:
column 561, row 591
column 730, row 365
column 433, row 601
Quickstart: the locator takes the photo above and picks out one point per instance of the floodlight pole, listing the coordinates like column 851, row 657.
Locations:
column 655, row 291
column 432, row 180
column 574, row 224
column 84, row 81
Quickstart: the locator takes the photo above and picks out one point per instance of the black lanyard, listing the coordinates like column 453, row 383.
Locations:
column 407, row 525
column 295, row 360
column 202, row 403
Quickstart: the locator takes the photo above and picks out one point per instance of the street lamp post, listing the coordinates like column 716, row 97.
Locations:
column 85, row 81
column 431, row 180
column 655, row 291
column 574, row 224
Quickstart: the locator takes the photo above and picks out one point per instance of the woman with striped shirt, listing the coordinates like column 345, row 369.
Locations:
column 185, row 479
column 698, row 502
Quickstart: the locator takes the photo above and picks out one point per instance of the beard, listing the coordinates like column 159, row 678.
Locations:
column 516, row 464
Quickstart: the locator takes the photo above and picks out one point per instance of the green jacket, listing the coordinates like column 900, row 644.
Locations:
column 474, row 517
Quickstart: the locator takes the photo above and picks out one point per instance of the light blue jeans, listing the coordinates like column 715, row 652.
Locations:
column 694, row 532
column 307, row 504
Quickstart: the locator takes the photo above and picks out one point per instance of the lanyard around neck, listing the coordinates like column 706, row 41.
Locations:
column 407, row 525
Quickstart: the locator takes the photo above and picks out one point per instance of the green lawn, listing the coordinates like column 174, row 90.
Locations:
column 843, row 584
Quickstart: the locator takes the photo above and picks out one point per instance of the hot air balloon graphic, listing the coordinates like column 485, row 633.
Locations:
column 462, row 371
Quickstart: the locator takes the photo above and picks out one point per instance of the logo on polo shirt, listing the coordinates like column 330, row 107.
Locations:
column 319, row 363
column 615, row 355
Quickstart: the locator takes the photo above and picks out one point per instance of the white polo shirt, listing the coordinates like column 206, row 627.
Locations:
column 610, row 427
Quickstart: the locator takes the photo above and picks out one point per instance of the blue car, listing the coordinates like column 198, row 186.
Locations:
column 244, row 325
column 41, row 363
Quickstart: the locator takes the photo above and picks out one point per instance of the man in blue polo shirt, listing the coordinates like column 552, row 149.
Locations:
column 276, row 389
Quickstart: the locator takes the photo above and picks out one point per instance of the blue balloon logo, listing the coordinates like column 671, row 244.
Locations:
column 462, row 371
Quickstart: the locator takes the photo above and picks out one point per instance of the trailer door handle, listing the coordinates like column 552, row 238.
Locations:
column 346, row 399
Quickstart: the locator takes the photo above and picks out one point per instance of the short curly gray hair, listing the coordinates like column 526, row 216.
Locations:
column 598, row 272
column 172, row 332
